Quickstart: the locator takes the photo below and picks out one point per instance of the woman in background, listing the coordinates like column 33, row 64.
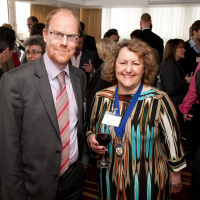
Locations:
column 175, row 82
column 34, row 47
column 105, row 47
column 141, row 170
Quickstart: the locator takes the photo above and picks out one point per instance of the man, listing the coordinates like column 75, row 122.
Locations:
column 89, row 42
column 30, row 21
column 85, row 59
column 41, row 121
column 192, row 54
column 7, row 43
column 150, row 37
column 113, row 34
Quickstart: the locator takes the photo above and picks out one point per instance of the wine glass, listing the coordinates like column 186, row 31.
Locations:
column 103, row 139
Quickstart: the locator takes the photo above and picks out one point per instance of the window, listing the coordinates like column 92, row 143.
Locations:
column 168, row 21
column 22, row 13
column 4, row 12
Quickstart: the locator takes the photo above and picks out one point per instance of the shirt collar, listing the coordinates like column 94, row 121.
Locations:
column 145, row 28
column 52, row 69
column 191, row 42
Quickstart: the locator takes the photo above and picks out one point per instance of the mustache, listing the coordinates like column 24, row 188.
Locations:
column 77, row 48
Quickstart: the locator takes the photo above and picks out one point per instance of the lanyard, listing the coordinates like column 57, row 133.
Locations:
column 120, row 130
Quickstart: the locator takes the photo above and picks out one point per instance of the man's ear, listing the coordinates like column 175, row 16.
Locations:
column 45, row 34
column 6, row 51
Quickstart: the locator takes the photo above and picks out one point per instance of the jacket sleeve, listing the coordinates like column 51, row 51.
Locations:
column 11, row 119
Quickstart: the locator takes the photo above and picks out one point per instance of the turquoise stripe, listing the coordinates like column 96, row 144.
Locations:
column 148, row 186
column 107, row 184
column 133, row 143
column 138, row 141
column 147, row 141
column 151, row 142
column 136, row 187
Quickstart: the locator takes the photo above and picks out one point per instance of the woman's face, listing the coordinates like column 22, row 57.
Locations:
column 33, row 52
column 180, row 51
column 128, row 70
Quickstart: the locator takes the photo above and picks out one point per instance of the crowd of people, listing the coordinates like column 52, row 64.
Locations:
column 68, row 88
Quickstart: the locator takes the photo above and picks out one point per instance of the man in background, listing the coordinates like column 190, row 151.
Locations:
column 89, row 42
column 30, row 21
column 85, row 59
column 7, row 44
column 150, row 37
column 113, row 34
column 41, row 120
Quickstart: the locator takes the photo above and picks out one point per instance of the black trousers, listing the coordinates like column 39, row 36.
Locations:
column 71, row 183
column 195, row 185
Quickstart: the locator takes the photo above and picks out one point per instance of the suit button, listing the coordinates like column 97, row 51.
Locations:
column 57, row 151
column 56, row 176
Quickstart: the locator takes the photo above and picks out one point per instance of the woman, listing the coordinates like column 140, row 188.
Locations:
column 175, row 82
column 34, row 47
column 105, row 47
column 141, row 171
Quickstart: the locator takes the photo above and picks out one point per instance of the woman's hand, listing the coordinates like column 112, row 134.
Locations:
column 94, row 145
column 175, row 179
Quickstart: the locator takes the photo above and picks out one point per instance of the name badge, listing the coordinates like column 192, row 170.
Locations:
column 111, row 119
column 197, row 59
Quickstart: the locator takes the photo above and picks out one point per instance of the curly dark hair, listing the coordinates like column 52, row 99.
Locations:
column 145, row 55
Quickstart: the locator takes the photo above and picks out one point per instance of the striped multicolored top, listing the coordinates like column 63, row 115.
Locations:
column 151, row 142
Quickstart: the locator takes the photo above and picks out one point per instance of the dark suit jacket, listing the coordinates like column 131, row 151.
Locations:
column 89, row 43
column 154, row 41
column 95, row 84
column 173, row 81
column 85, row 57
column 189, row 63
column 30, row 143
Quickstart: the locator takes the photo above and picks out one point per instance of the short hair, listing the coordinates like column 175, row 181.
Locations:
column 170, row 49
column 146, row 17
column 137, row 34
column 35, row 40
column 195, row 26
column 34, row 19
column 82, row 35
column 37, row 29
column 7, row 38
column 145, row 55
column 82, row 26
column 105, row 47
column 109, row 33
column 54, row 12
column 7, row 25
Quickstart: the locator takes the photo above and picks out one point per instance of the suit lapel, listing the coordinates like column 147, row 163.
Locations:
column 77, row 92
column 45, row 93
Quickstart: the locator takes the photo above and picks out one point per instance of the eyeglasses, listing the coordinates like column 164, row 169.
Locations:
column 34, row 53
column 59, row 36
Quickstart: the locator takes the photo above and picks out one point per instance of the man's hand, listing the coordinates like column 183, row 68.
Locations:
column 187, row 117
column 89, row 67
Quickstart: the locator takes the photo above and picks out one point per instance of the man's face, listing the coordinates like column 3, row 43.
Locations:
column 61, row 51
column 196, row 35
column 115, row 38
column 29, row 24
column 79, row 46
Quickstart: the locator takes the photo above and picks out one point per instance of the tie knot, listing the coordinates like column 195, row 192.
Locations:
column 61, row 78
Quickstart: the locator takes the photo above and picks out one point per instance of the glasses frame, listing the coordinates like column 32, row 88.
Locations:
column 53, row 34
column 34, row 53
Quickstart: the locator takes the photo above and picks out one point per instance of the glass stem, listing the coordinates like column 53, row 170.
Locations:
column 103, row 158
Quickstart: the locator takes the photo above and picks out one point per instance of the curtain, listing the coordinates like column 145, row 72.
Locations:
column 92, row 20
column 168, row 21
column 42, row 11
